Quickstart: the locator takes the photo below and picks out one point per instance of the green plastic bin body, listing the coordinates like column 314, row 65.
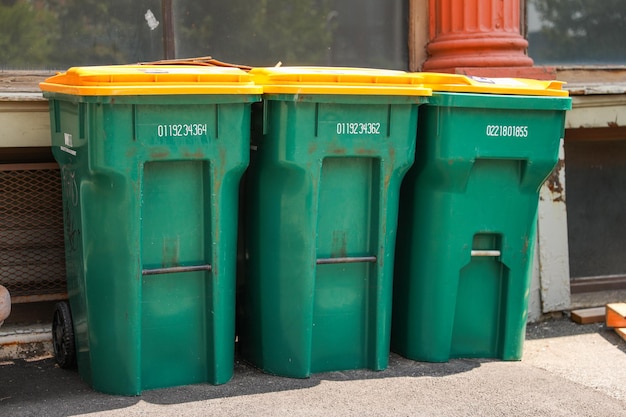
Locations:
column 150, row 195
column 467, row 224
column 322, row 201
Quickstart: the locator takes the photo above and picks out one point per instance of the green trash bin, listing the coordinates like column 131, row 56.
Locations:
column 322, row 198
column 151, row 158
column 467, row 216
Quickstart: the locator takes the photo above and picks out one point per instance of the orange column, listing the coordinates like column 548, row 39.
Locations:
column 478, row 37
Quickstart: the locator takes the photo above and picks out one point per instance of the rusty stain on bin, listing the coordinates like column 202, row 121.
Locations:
column 194, row 155
column 337, row 151
column 366, row 152
column 171, row 251
column 159, row 154
column 340, row 244
column 526, row 245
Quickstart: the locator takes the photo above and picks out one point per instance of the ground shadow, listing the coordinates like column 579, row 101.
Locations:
column 248, row 380
column 36, row 388
column 39, row 387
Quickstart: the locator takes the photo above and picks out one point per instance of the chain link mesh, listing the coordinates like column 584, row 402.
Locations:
column 32, row 256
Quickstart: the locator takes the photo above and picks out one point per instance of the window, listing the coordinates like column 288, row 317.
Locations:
column 577, row 32
column 56, row 34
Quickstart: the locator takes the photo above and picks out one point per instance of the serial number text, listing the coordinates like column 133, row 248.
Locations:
column 507, row 131
column 182, row 130
column 355, row 128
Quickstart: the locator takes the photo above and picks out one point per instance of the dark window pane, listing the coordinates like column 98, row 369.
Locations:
column 57, row 34
column 577, row 31
column 370, row 33
column 62, row 33
column 596, row 219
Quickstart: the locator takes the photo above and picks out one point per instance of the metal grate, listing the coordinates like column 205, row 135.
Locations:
column 32, row 255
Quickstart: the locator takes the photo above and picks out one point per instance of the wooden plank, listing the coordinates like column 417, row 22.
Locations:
column 589, row 315
column 621, row 331
column 616, row 315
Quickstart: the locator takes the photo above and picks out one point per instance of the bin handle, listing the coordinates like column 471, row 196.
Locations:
column 175, row 269
column 346, row 260
column 486, row 252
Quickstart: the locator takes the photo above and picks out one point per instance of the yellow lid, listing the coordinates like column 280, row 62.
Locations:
column 469, row 84
column 335, row 80
column 122, row 80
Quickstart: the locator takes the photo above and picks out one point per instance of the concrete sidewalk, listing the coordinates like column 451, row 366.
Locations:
column 567, row 370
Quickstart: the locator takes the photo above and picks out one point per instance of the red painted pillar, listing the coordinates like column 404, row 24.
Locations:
column 478, row 37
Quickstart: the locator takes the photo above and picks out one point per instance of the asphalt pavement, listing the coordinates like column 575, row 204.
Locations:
column 567, row 370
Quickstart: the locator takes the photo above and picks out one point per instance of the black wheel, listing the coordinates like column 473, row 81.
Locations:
column 63, row 336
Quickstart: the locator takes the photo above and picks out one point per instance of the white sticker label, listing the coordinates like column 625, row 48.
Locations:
column 68, row 140
column 68, row 150
column 499, row 81
column 507, row 131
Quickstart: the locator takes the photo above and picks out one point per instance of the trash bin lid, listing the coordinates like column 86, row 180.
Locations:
column 338, row 80
column 123, row 80
column 471, row 84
